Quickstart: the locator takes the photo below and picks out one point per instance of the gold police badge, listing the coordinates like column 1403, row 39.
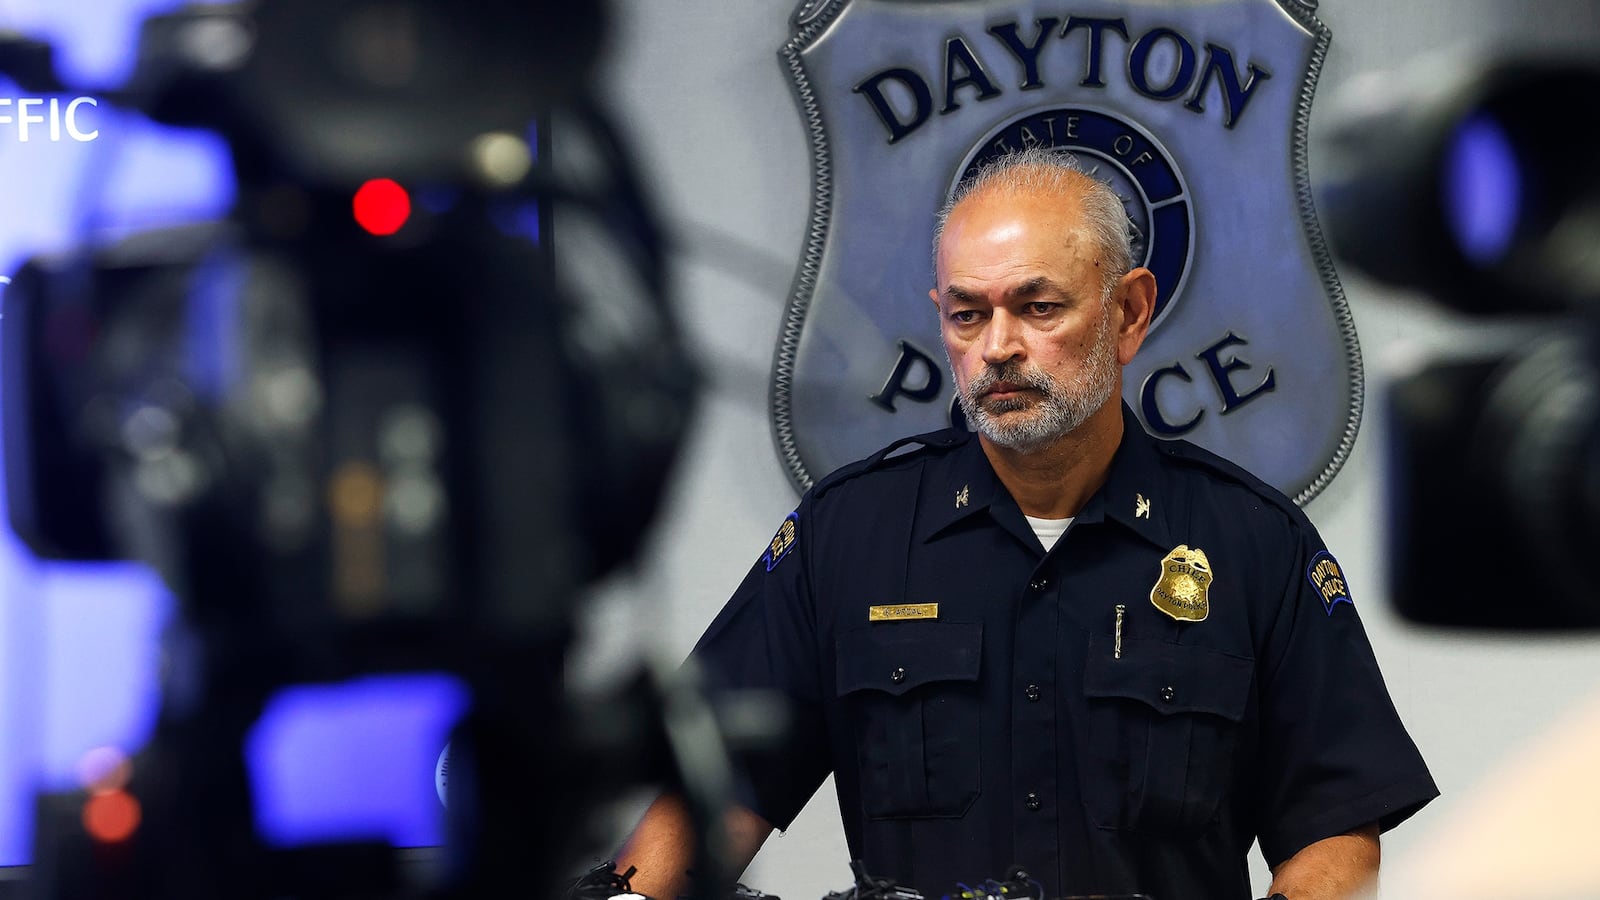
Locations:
column 1183, row 590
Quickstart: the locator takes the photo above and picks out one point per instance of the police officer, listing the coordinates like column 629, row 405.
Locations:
column 1058, row 642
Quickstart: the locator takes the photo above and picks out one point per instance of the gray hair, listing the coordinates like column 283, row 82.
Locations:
column 1040, row 169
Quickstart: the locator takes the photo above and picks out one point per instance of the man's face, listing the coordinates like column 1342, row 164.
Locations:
column 1026, row 322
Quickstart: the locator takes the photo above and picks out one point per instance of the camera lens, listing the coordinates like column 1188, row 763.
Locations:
column 1494, row 475
column 1536, row 448
column 1465, row 186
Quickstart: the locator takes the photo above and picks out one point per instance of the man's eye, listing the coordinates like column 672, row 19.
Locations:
column 964, row 316
column 1040, row 308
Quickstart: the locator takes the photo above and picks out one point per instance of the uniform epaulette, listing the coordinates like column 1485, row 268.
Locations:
column 932, row 441
column 1193, row 454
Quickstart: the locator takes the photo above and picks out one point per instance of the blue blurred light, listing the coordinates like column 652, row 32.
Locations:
column 96, row 40
column 100, row 649
column 1483, row 190
column 353, row 761
column 79, row 644
column 212, row 351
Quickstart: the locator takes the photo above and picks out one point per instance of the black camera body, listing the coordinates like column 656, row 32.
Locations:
column 1453, row 179
column 353, row 450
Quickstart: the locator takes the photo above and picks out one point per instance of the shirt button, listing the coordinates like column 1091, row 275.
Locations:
column 1033, row 802
column 1167, row 693
column 1032, row 692
column 899, row 675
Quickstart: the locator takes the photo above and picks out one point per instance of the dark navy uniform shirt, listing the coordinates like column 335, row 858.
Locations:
column 979, row 706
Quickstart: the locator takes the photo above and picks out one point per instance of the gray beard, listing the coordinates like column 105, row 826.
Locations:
column 1058, row 408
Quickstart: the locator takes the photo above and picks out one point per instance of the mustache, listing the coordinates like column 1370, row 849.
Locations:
column 1013, row 373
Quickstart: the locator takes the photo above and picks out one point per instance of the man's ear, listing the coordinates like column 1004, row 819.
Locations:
column 1135, row 298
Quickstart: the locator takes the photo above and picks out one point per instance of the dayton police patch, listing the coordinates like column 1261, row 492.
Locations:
column 782, row 542
column 1327, row 579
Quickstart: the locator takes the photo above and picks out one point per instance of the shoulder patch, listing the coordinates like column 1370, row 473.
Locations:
column 1327, row 579
column 783, row 541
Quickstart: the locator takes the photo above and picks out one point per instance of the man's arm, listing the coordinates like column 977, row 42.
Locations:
column 1335, row 868
column 663, row 845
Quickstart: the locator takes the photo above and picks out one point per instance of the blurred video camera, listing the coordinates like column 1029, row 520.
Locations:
column 362, row 427
column 1467, row 180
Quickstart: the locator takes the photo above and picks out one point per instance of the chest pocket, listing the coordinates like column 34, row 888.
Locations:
column 1163, row 727
column 912, row 692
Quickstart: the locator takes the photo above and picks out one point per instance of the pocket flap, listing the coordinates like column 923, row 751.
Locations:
column 1169, row 678
column 895, row 657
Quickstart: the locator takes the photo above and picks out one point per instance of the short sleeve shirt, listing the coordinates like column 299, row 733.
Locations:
column 1183, row 673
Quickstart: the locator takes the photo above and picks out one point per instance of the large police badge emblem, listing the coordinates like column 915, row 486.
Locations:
column 1195, row 112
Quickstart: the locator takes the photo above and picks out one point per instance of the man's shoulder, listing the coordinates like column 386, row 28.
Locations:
column 1225, row 478
column 907, row 455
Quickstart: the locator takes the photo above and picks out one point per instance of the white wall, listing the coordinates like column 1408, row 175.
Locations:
column 700, row 92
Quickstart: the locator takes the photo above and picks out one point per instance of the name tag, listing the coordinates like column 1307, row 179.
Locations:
column 904, row 611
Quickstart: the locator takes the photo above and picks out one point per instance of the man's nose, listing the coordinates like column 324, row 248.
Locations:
column 1003, row 338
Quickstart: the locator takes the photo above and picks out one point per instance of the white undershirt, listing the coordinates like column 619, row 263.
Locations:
column 1048, row 530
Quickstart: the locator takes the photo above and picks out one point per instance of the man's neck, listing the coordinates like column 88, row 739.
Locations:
column 1056, row 481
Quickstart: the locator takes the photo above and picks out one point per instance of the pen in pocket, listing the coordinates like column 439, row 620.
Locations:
column 1116, row 647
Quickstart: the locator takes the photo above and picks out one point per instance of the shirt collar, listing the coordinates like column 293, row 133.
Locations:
column 961, row 486
column 1137, row 494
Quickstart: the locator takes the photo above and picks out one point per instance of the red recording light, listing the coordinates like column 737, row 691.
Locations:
column 382, row 206
column 111, row 817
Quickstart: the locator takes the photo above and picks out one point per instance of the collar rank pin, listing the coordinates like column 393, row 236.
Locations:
column 963, row 496
column 1141, row 507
